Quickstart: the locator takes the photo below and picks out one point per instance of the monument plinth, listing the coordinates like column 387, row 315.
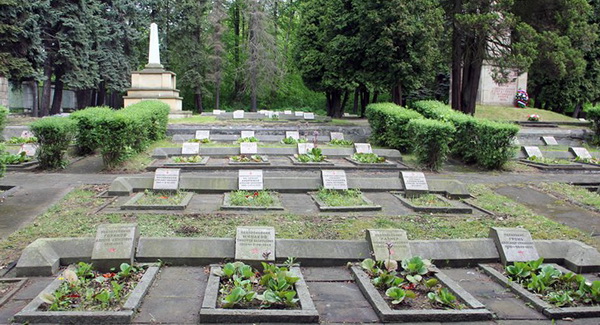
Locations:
column 155, row 83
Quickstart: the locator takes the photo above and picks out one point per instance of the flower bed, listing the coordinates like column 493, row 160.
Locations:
column 552, row 290
column 555, row 164
column 256, row 200
column 249, row 139
column 249, row 160
column 187, row 161
column 290, row 140
column 149, row 200
column 82, row 296
column 237, row 293
column 431, row 203
column 343, row 201
column 414, row 290
column 369, row 159
column 313, row 156
column 341, row 142
column 205, row 140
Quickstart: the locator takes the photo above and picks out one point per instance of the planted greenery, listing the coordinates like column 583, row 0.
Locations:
column 389, row 122
column 249, row 139
column 340, row 142
column 254, row 199
column 428, row 200
column 431, row 140
column 161, row 198
column 594, row 161
column 290, row 140
column 337, row 198
column 409, row 284
column 550, row 284
column 312, row 155
column 14, row 159
column 205, row 140
column 241, row 286
column 187, row 159
column 85, row 289
column 54, row 135
column 549, row 161
column 21, row 140
column 248, row 158
column 368, row 158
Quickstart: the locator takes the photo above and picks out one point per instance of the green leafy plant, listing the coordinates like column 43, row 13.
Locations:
column 549, row 161
column 290, row 140
column 21, row 140
column 368, row 158
column 340, row 142
column 312, row 155
column 415, row 268
column 14, row 159
column 161, row 198
column 205, row 140
column 256, row 198
column 443, row 297
column 246, row 158
column 249, row 139
column 187, row 159
column 334, row 198
column 398, row 294
column 428, row 200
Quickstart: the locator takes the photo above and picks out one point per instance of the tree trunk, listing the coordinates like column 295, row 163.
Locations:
column 237, row 86
column 577, row 110
column 100, row 100
column 397, row 94
column 336, row 104
column 34, row 98
column 364, row 100
column 58, row 95
column 345, row 100
column 457, row 53
column 472, row 73
column 47, row 89
column 198, row 101
column 375, row 96
column 355, row 107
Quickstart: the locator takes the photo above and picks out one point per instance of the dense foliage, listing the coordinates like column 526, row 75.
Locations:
column 431, row 139
column 388, row 125
column 54, row 136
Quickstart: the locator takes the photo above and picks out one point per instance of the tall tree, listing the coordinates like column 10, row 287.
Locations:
column 218, row 51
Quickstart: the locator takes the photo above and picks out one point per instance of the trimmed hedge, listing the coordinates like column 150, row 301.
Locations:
column 87, row 124
column 388, row 123
column 54, row 135
column 593, row 114
column 431, row 139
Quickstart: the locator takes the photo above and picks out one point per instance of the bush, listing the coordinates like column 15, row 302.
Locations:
column 155, row 115
column 493, row 143
column 120, row 135
column 54, row 136
column 87, row 124
column 431, row 139
column 3, row 118
column 388, row 125
column 593, row 114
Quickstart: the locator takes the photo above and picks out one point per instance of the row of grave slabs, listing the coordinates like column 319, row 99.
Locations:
column 576, row 159
column 167, row 181
column 116, row 243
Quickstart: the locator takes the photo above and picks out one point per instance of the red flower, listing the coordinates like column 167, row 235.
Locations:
column 73, row 295
column 164, row 197
column 109, row 275
column 410, row 286
column 255, row 193
column 247, row 196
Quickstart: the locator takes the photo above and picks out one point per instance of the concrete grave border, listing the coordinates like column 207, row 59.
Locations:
column 358, row 208
column 451, row 209
column 20, row 283
column 131, row 204
column 475, row 310
column 30, row 165
column 576, row 166
column 9, row 190
column 31, row 314
column 325, row 162
column 384, row 164
column 202, row 162
column 209, row 313
column 540, row 305
column 227, row 204
column 265, row 162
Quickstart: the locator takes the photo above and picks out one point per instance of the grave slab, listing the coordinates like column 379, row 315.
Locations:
column 514, row 244
column 334, row 179
column 549, row 141
column 531, row 151
column 255, row 244
column 166, row 179
column 190, row 148
column 379, row 239
column 415, row 183
column 250, row 179
column 114, row 244
column 580, row 152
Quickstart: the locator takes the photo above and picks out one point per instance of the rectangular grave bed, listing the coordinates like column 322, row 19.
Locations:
column 133, row 204
column 475, row 310
column 23, row 166
column 265, row 162
column 171, row 163
column 450, row 207
column 277, row 206
column 295, row 161
column 540, row 305
column 307, row 313
column 10, row 286
column 31, row 314
column 552, row 166
column 323, row 207
column 381, row 164
column 6, row 191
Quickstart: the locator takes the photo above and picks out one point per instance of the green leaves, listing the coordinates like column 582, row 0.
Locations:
column 443, row 297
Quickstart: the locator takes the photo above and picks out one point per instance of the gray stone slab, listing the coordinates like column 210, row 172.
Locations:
column 514, row 244
column 321, row 252
column 531, row 151
column 190, row 148
column 114, row 244
column 580, row 152
column 185, row 251
column 456, row 252
column 250, row 179
column 549, row 141
column 168, row 310
column 166, row 179
column 363, row 148
column 334, row 179
column 414, row 183
column 248, row 148
column 380, row 241
column 326, row 274
column 255, row 244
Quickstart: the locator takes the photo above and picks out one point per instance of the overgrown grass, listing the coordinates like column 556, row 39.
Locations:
column 138, row 163
column 339, row 198
column 161, row 198
column 501, row 113
column 196, row 119
column 428, row 200
column 572, row 193
column 253, row 199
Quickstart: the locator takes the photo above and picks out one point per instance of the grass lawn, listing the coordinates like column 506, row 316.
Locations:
column 74, row 216
column 502, row 113
column 137, row 163
column 571, row 193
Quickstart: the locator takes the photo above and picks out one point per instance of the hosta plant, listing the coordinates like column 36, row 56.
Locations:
column 247, row 158
column 368, row 158
column 187, row 159
column 249, row 139
column 312, row 155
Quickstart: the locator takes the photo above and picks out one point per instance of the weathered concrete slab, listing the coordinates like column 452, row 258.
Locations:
column 185, row 251
column 114, row 244
column 514, row 244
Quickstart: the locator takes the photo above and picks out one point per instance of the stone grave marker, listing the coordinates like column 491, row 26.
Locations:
column 292, row 134
column 217, row 112
column 247, row 134
column 250, row 179
column 299, row 114
column 202, row 134
column 255, row 244
column 550, row 141
column 27, row 134
column 581, row 152
column 531, row 151
column 309, row 116
column 415, row 183
column 303, row 148
column 248, row 148
column 166, row 179
column 29, row 149
column 287, row 112
column 379, row 239
column 334, row 179
column 336, row 136
column 238, row 114
column 363, row 148
column 114, row 244
column 514, row 244
column 269, row 114
column 190, row 148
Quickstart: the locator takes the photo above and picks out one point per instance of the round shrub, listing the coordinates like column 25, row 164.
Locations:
column 388, row 125
column 431, row 141
column 494, row 143
column 87, row 124
column 54, row 135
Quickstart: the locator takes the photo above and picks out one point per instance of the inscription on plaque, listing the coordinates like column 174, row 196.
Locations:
column 190, row 148
column 550, row 141
column 238, row 114
column 303, row 148
column 514, row 244
column 533, row 151
column 299, row 114
column 309, row 116
column 415, row 183
column 248, row 148
column 251, row 179
column 114, row 244
column 334, row 179
column 336, row 136
column 580, row 152
column 255, row 243
column 166, row 179
column 29, row 149
column 247, row 134
column 202, row 134
column 287, row 112
column 363, row 148
column 386, row 241
column 292, row 134
column 217, row 112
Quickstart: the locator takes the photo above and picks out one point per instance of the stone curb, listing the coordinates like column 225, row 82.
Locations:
column 385, row 164
column 539, row 304
column 358, row 208
column 131, row 204
column 209, row 313
column 30, row 313
column 548, row 167
column 9, row 190
column 30, row 165
column 227, row 204
column 20, row 283
column 386, row 314
column 265, row 162
column 325, row 162
column 448, row 209
column 173, row 164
